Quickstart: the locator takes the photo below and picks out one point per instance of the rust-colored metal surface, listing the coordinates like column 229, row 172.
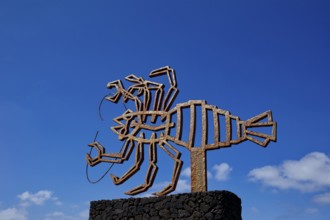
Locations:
column 198, row 170
column 164, row 126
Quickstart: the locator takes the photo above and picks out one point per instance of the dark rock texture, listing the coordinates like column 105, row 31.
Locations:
column 222, row 205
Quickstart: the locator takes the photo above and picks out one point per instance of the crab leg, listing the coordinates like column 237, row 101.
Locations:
column 173, row 91
column 152, row 171
column 139, row 157
column 158, row 98
column 144, row 87
column 146, row 95
column 177, row 168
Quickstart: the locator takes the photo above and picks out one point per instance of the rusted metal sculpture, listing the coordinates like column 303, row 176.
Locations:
column 133, row 125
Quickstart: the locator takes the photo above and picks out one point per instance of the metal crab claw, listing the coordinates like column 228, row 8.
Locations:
column 115, row 179
column 117, row 84
column 98, row 159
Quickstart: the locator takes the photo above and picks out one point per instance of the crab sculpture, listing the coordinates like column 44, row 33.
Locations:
column 154, row 116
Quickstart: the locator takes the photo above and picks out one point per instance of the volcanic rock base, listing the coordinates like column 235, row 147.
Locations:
column 222, row 205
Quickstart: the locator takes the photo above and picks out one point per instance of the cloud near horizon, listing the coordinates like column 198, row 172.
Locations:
column 322, row 199
column 38, row 198
column 13, row 214
column 309, row 174
column 222, row 171
column 27, row 199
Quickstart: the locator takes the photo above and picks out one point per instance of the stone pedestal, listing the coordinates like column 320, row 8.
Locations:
column 222, row 205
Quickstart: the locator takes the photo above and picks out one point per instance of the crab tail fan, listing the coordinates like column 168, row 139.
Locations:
column 260, row 123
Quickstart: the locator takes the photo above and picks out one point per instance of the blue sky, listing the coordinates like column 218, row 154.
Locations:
column 56, row 58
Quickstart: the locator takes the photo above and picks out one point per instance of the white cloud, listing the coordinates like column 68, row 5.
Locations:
column 38, row 198
column 84, row 214
column 55, row 214
column 187, row 172
column 62, row 216
column 27, row 199
column 323, row 199
column 59, row 216
column 309, row 174
column 209, row 175
column 13, row 214
column 311, row 211
column 146, row 195
column 160, row 185
column 183, row 186
column 222, row 171
column 57, row 201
